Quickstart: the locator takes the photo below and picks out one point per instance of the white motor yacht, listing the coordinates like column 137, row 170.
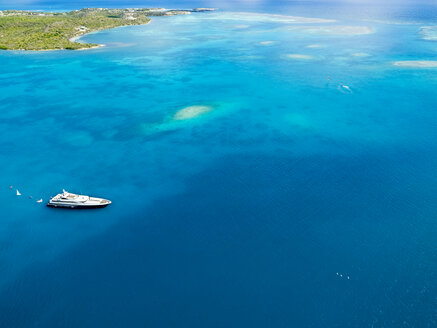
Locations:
column 69, row 200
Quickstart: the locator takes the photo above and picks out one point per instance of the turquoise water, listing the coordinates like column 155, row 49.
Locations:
column 303, row 195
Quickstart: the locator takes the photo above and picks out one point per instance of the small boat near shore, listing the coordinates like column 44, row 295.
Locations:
column 74, row 201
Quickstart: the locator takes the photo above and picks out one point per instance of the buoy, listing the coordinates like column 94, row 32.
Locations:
column 18, row 193
column 10, row 187
column 39, row 201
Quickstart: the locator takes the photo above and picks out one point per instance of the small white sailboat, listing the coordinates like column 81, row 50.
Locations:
column 344, row 88
column 39, row 201
column 18, row 193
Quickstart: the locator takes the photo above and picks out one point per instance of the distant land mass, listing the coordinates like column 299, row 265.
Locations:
column 29, row 30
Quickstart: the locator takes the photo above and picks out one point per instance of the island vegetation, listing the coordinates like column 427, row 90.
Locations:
column 29, row 30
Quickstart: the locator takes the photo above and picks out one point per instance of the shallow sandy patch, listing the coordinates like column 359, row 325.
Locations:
column 266, row 18
column 299, row 57
column 267, row 43
column 314, row 46
column 390, row 22
column 183, row 117
column 94, row 47
column 416, row 63
column 429, row 32
column 191, row 112
column 247, row 57
column 240, row 26
column 360, row 54
column 333, row 30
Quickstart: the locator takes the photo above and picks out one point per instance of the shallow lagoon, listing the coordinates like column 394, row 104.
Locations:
column 241, row 216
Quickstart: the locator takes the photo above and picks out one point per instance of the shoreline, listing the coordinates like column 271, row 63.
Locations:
column 33, row 31
column 75, row 39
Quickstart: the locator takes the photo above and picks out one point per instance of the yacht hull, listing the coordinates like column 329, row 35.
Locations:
column 76, row 206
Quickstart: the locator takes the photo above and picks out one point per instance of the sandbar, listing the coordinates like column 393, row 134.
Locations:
column 360, row 54
column 299, row 56
column 416, row 63
column 191, row 112
column 333, row 30
column 267, row 43
column 429, row 32
column 266, row 18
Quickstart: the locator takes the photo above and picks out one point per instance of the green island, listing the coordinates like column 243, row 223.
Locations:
column 30, row 30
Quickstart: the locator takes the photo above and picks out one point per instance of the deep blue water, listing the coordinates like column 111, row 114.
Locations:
column 293, row 202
